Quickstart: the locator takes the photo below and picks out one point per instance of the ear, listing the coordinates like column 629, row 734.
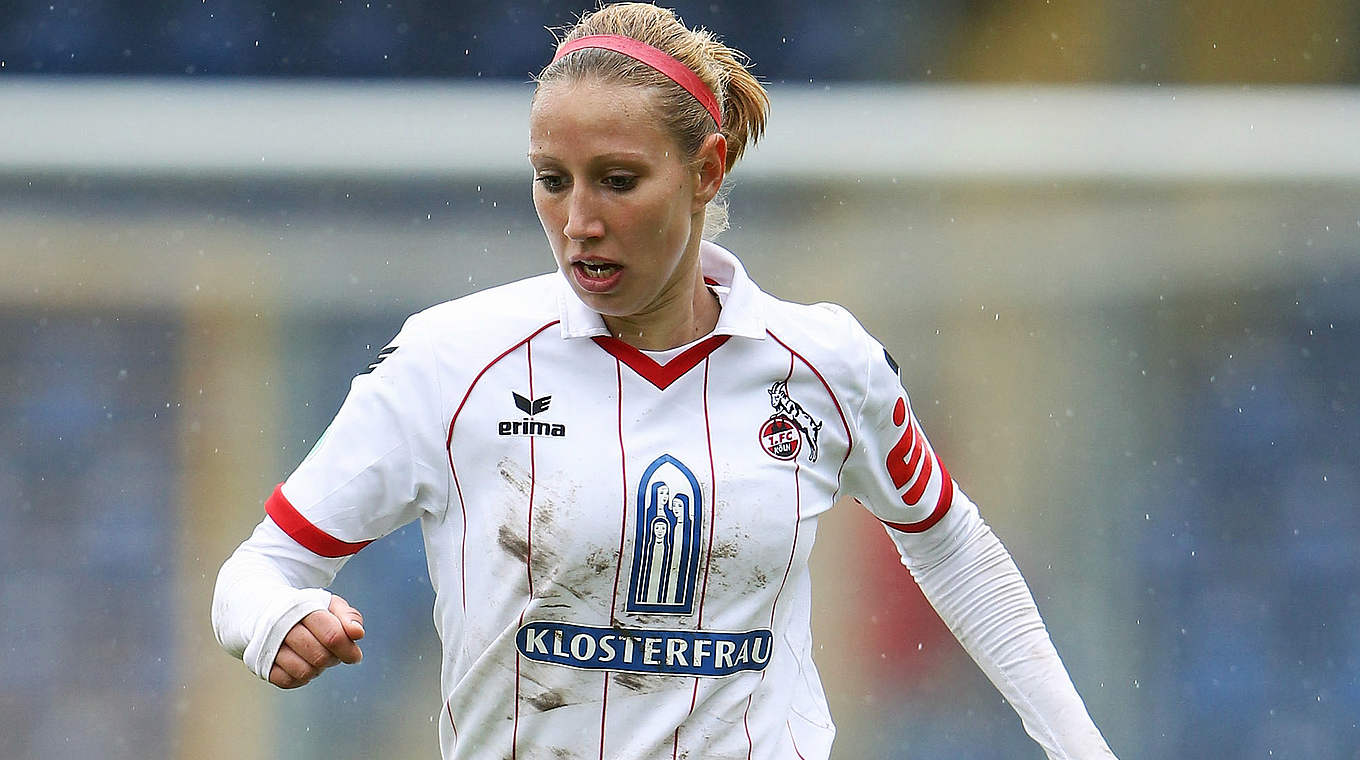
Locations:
column 712, row 168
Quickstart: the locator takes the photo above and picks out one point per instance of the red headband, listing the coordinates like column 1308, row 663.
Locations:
column 657, row 59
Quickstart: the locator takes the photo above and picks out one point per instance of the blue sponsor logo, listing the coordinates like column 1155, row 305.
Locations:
column 669, row 521
column 676, row 653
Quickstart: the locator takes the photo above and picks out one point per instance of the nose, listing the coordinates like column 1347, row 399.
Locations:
column 583, row 220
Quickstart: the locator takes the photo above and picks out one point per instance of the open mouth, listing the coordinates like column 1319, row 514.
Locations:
column 595, row 276
column 597, row 270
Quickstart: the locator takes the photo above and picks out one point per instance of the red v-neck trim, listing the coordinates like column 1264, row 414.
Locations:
column 660, row 375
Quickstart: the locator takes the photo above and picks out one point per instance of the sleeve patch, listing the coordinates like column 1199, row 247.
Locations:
column 304, row 532
column 912, row 464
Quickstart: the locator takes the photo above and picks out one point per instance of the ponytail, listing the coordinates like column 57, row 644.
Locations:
column 745, row 103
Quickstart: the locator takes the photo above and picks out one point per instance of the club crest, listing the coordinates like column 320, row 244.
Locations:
column 783, row 435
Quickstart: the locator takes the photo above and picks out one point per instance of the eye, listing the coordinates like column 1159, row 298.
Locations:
column 620, row 182
column 553, row 183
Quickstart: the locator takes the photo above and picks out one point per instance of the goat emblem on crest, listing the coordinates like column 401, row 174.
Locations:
column 783, row 433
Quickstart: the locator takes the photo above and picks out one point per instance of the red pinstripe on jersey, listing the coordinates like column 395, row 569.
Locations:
column 528, row 547
column 712, row 501
column 797, row 516
column 604, row 701
column 746, row 723
column 533, row 480
column 623, row 529
column 708, row 557
column 448, row 447
column 793, row 741
column 302, row 530
column 793, row 546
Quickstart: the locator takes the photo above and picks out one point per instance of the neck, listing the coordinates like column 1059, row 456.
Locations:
column 672, row 324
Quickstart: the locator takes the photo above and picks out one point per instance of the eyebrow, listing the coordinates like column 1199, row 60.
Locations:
column 626, row 155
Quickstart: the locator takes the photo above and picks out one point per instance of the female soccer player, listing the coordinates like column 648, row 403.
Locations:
column 619, row 466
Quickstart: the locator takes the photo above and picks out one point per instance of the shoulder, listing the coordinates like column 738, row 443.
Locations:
column 487, row 320
column 452, row 342
column 826, row 335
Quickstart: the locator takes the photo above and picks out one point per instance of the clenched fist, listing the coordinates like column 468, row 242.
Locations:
column 320, row 640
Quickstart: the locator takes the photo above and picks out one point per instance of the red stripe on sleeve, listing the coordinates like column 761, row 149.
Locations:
column 898, row 468
column 917, row 448
column 918, row 489
column 304, row 532
column 942, row 505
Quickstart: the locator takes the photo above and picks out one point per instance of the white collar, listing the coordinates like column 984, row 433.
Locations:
column 741, row 314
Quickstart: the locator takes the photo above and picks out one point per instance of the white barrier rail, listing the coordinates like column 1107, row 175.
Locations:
column 399, row 129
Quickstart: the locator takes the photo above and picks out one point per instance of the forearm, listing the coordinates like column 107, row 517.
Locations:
column 979, row 592
column 265, row 587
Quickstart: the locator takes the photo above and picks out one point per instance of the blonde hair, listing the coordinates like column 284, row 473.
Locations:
column 742, row 100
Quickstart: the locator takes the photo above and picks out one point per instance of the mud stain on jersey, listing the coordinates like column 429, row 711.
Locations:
column 659, row 621
column 514, row 474
column 543, row 511
column 646, row 684
column 758, row 578
column 582, row 591
column 602, row 560
column 628, row 681
column 527, row 753
column 641, row 683
column 548, row 700
column 513, row 545
column 544, row 560
column 547, row 497
column 726, row 549
column 637, row 681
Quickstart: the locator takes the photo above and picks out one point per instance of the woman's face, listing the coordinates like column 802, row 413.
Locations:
column 620, row 204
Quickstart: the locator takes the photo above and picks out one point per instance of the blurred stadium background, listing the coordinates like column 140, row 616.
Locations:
column 1115, row 245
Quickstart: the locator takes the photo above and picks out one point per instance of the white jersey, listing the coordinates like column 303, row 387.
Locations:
column 618, row 539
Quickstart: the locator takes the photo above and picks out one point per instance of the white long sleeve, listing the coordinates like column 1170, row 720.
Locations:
column 975, row 586
column 263, row 589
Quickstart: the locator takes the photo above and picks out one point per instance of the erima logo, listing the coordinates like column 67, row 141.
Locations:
column 531, row 407
column 530, row 426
